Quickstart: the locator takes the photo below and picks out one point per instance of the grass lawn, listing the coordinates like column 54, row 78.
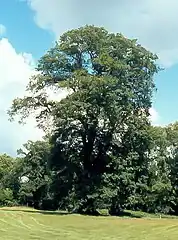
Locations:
column 24, row 224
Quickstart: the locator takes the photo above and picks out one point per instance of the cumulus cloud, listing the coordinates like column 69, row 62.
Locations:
column 153, row 22
column 15, row 71
column 2, row 30
column 154, row 116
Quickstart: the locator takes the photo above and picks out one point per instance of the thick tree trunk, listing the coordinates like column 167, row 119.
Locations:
column 36, row 200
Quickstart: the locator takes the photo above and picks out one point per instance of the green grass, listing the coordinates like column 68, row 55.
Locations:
column 24, row 224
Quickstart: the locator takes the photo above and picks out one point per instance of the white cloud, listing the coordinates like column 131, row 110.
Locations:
column 2, row 30
column 15, row 71
column 154, row 116
column 153, row 22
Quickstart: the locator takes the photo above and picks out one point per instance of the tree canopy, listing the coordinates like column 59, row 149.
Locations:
column 100, row 149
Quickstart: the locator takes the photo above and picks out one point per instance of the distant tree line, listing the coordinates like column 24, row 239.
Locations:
column 100, row 150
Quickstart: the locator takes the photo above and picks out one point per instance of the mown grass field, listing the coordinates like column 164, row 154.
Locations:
column 24, row 224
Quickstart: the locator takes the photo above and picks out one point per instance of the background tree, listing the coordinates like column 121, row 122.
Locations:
column 6, row 167
column 35, row 174
column 172, row 137
column 160, row 195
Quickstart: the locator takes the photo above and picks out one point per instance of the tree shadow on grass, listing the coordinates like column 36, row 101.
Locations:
column 36, row 211
column 123, row 214
column 129, row 215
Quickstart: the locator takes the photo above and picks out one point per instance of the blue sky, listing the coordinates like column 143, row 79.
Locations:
column 22, row 31
column 29, row 27
column 166, row 99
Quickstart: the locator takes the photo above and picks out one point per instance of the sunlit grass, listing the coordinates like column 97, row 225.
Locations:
column 24, row 224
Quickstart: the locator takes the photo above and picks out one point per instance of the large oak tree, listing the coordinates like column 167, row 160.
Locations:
column 100, row 141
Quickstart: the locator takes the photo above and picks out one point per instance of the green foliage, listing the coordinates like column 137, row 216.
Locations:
column 6, row 165
column 6, row 197
column 100, row 150
column 99, row 140
column 35, row 175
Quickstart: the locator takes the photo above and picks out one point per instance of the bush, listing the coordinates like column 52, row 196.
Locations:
column 6, row 197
